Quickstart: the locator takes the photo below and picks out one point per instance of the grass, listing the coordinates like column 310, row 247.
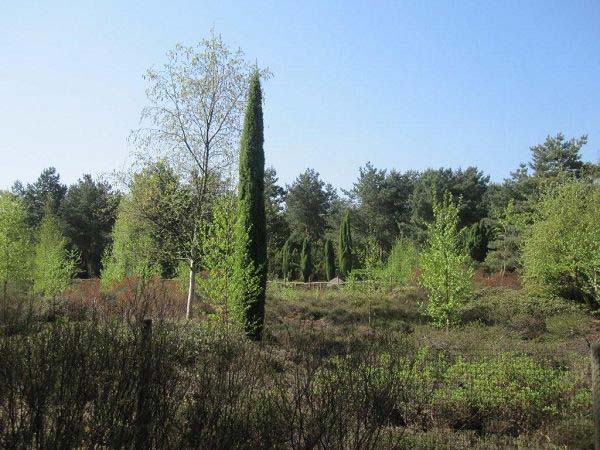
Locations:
column 337, row 368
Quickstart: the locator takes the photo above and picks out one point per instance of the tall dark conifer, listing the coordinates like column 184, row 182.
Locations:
column 329, row 260
column 286, row 254
column 252, row 209
column 345, row 247
column 306, row 262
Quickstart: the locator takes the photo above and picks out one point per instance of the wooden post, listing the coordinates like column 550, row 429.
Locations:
column 142, row 436
column 596, row 392
column 5, row 289
column 146, row 330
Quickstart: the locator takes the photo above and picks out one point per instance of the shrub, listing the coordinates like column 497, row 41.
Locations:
column 509, row 393
column 401, row 263
column 561, row 253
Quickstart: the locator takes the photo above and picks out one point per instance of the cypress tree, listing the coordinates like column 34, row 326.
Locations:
column 306, row 263
column 252, row 216
column 294, row 266
column 285, row 262
column 329, row 260
column 345, row 247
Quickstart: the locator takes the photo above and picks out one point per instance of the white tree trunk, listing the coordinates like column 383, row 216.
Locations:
column 191, row 289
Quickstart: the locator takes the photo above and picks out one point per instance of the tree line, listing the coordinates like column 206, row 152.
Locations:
column 381, row 208
column 185, row 211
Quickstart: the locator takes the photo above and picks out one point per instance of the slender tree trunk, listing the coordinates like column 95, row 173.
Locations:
column 200, row 200
column 191, row 289
column 89, row 266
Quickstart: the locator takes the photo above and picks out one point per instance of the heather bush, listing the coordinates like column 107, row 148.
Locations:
column 321, row 378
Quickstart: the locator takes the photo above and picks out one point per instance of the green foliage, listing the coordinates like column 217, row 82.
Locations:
column 375, row 275
column 446, row 276
column 505, row 249
column 509, row 392
column 477, row 239
column 151, row 235
column 225, row 281
column 133, row 252
column 561, row 253
column 252, row 214
column 306, row 260
column 370, row 256
column 295, row 264
column 54, row 265
column 165, row 206
column 345, row 247
column 309, row 201
column 470, row 185
column 89, row 211
column 286, row 264
column 15, row 242
column 382, row 197
column 557, row 156
column 45, row 194
column 401, row 263
column 329, row 258
column 277, row 227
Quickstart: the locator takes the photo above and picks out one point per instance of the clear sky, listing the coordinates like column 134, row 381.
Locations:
column 405, row 85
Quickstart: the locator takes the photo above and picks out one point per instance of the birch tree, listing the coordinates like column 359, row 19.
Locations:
column 54, row 265
column 446, row 276
column 193, row 119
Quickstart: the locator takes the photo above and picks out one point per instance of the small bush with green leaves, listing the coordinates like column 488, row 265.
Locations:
column 561, row 253
column 509, row 393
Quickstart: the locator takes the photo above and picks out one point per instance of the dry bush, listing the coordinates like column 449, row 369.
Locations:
column 496, row 279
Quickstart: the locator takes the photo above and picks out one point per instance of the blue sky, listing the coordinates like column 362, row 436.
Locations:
column 405, row 85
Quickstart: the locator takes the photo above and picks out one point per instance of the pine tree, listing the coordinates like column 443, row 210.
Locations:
column 252, row 217
column 306, row 262
column 345, row 247
column 556, row 155
column 329, row 260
